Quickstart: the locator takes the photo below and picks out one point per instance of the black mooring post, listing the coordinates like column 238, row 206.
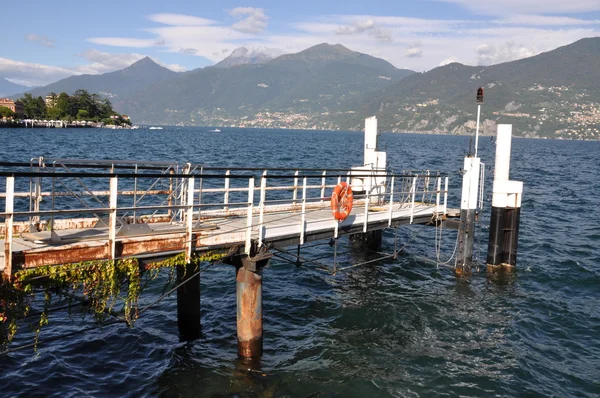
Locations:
column 188, row 301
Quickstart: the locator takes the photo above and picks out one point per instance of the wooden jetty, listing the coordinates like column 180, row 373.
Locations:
column 59, row 211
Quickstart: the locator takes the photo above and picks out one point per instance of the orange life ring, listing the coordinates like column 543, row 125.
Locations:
column 341, row 201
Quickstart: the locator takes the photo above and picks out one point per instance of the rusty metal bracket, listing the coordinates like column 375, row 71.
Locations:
column 258, row 259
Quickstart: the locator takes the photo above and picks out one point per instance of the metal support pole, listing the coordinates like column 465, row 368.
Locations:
column 261, row 219
column 189, row 244
column 303, row 220
column 135, row 185
column 226, row 195
column 477, row 129
column 248, row 245
column 437, row 195
column 367, row 200
column 8, row 225
column 445, row 195
column 391, row 201
column 188, row 301
column 413, row 191
column 112, row 218
column 249, row 313
column 295, row 194
column 323, row 179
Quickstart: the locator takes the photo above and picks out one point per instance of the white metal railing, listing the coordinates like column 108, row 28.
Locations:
column 193, row 196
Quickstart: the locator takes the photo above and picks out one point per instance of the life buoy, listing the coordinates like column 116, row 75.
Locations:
column 341, row 201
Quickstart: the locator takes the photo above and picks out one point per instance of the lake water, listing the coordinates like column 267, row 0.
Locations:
column 403, row 328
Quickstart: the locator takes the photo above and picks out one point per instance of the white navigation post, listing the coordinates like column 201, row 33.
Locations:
column 469, row 203
column 368, row 181
column 506, row 206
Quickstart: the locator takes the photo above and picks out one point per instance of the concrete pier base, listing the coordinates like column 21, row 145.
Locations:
column 188, row 302
column 249, row 313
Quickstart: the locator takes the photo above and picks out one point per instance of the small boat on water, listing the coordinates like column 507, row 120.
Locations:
column 155, row 128
column 214, row 131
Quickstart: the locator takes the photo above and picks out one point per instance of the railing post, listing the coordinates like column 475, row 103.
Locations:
column 445, row 195
column 323, row 186
column 263, row 198
column 367, row 200
column 112, row 218
column 189, row 221
column 303, row 211
column 226, row 195
column 248, row 246
column 413, row 191
column 200, row 193
column 437, row 195
column 481, row 184
column 391, row 200
column 8, row 225
column 170, row 198
column 295, row 195
column 425, row 185
column 135, row 183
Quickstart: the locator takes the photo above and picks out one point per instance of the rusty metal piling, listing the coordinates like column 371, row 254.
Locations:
column 249, row 312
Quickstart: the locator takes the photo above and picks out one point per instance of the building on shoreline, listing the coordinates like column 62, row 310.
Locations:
column 51, row 100
column 15, row 106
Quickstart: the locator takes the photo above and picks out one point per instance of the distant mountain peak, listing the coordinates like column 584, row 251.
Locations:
column 8, row 88
column 244, row 56
column 146, row 61
column 329, row 47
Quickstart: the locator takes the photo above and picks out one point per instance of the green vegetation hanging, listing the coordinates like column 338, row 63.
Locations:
column 101, row 285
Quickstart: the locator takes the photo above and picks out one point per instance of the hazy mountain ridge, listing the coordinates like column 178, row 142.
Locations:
column 8, row 88
column 114, row 85
column 318, row 79
column 554, row 94
column 538, row 95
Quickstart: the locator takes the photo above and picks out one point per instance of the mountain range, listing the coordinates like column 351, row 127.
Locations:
column 8, row 88
column 113, row 85
column 553, row 94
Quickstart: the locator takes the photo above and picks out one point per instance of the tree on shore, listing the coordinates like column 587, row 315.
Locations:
column 33, row 108
column 80, row 106
column 6, row 113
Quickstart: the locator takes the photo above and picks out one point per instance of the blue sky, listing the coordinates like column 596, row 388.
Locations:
column 53, row 40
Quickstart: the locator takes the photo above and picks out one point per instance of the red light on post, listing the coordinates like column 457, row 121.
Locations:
column 480, row 95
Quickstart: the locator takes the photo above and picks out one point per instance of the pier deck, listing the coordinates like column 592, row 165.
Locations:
column 280, row 228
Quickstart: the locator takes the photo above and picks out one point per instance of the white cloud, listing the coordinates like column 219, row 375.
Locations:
column 489, row 54
column 542, row 20
column 31, row 74
column 125, row 42
column 517, row 7
column 448, row 60
column 253, row 20
column 180, row 20
column 356, row 27
column 365, row 26
column 473, row 41
column 42, row 40
column 414, row 50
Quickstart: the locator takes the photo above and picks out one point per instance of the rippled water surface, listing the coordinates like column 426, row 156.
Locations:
column 403, row 327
